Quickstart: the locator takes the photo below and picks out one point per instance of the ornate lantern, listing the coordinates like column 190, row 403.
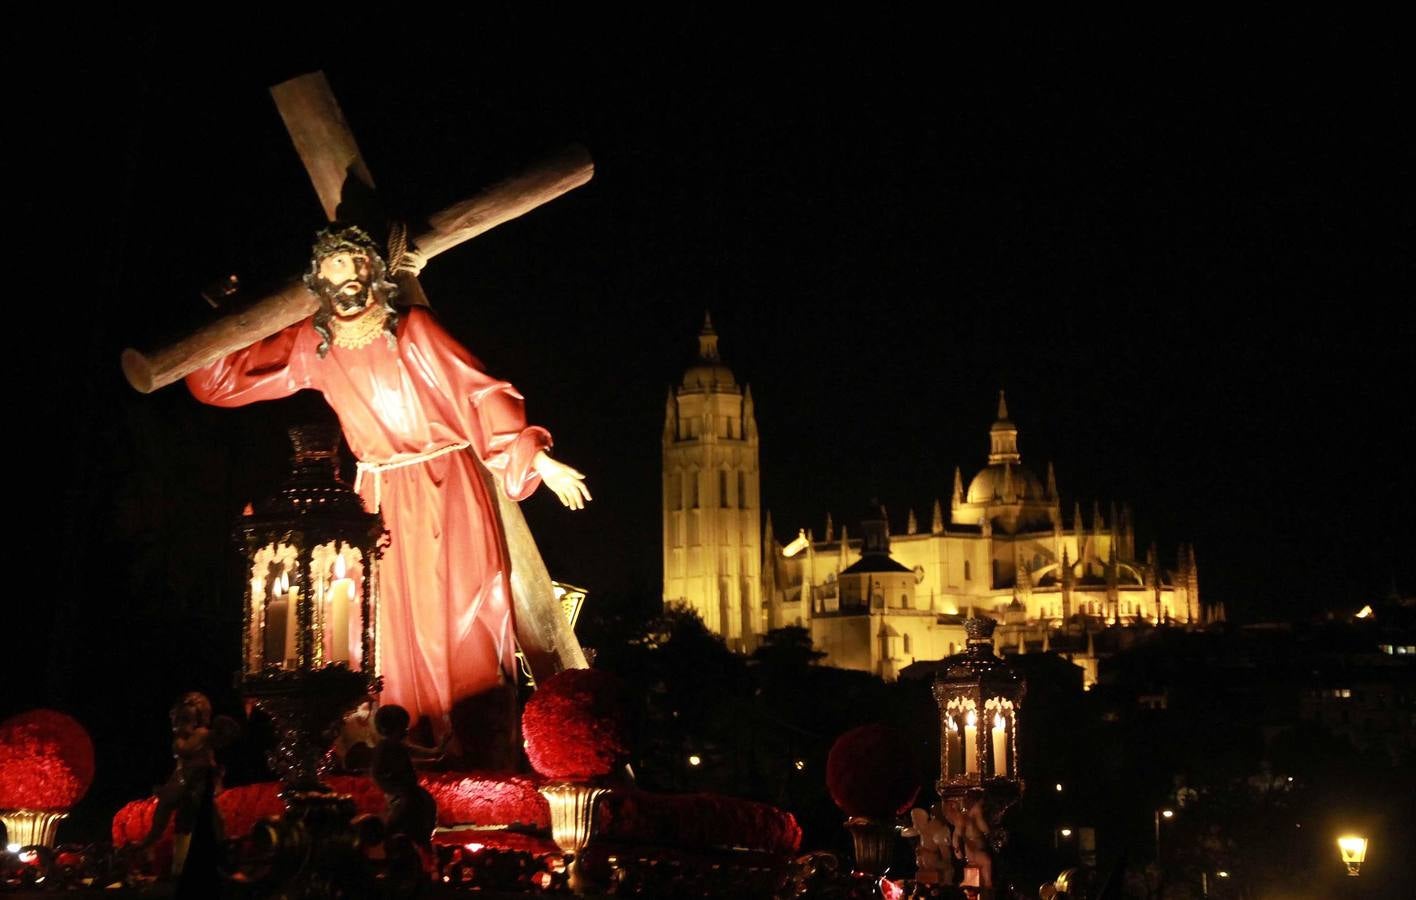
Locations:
column 979, row 698
column 1354, row 850
column 310, row 638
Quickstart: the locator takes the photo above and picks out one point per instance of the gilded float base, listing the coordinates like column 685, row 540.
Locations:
column 572, row 821
column 28, row 827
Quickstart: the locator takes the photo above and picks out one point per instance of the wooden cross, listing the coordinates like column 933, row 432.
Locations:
column 342, row 181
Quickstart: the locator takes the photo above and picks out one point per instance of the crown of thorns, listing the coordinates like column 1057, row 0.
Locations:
column 344, row 239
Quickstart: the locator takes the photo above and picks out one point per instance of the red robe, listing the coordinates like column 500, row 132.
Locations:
column 445, row 615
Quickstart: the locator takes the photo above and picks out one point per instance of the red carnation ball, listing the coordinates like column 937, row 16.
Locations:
column 574, row 725
column 872, row 772
column 46, row 761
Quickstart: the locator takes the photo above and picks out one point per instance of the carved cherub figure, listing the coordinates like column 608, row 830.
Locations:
column 196, row 777
column 969, row 839
column 933, row 859
column 411, row 809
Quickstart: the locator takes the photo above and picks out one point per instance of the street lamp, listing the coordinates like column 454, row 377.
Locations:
column 1166, row 814
column 1353, row 849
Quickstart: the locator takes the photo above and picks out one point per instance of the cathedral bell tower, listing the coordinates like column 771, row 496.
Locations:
column 712, row 504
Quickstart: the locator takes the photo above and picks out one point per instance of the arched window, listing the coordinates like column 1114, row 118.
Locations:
column 742, row 490
column 908, row 650
column 722, row 489
column 968, row 573
column 694, row 477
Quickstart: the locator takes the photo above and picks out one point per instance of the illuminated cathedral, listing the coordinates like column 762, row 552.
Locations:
column 877, row 601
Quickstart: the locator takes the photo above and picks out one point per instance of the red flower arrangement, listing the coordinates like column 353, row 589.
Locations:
column 871, row 772
column 575, row 725
column 697, row 820
column 46, row 761
column 486, row 798
column 463, row 798
column 491, row 799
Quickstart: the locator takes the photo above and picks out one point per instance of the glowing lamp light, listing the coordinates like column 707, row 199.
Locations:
column 1365, row 612
column 798, row 544
column 13, row 848
column 1059, row 787
column 474, row 847
column 1066, row 832
column 799, row 764
column 695, row 760
column 1353, row 849
column 1167, row 813
column 312, row 555
column 1222, row 874
column 979, row 698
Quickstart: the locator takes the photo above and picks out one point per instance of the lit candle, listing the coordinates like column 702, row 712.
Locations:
column 254, row 646
column 341, row 596
column 277, row 614
column 291, row 621
column 971, row 742
column 1000, row 746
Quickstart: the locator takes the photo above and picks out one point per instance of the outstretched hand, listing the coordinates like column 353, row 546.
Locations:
column 565, row 482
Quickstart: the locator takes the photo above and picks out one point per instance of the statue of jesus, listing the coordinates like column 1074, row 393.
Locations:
column 414, row 406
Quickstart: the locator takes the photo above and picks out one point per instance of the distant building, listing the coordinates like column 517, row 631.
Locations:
column 712, row 535
column 880, row 601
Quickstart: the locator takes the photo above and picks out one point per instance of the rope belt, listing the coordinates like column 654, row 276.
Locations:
column 378, row 468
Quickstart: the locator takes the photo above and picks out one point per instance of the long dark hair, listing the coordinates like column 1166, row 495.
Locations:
column 350, row 239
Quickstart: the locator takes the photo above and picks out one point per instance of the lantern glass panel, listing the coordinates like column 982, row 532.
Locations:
column 274, row 598
column 337, row 572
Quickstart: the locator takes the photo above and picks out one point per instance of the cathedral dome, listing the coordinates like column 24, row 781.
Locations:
column 709, row 375
column 988, row 484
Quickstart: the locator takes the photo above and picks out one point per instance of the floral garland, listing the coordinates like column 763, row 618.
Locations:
column 574, row 725
column 696, row 820
column 871, row 772
column 46, row 761
column 490, row 799
column 463, row 798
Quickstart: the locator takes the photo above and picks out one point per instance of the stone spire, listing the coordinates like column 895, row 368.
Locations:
column 830, row 529
column 936, row 525
column 1128, row 532
column 1051, row 482
column 912, row 524
column 1192, row 573
column 845, row 557
column 708, row 340
column 1003, row 437
column 958, row 498
column 1113, row 596
column 1066, row 586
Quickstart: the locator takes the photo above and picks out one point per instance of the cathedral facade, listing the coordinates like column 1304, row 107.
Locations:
column 712, row 536
column 878, row 601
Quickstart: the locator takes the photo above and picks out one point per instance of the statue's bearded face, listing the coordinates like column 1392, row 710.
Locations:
column 346, row 279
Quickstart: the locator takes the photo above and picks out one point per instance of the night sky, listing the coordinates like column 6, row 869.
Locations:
column 1188, row 262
